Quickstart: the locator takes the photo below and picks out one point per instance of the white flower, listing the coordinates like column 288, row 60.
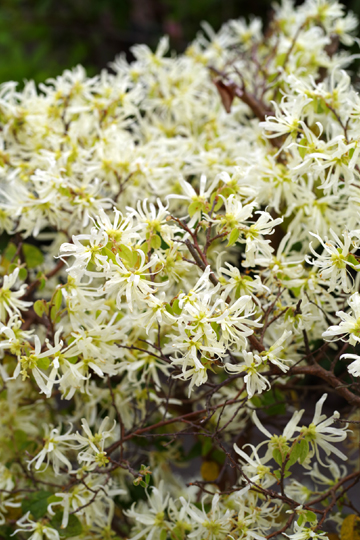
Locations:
column 321, row 434
column 91, row 251
column 350, row 324
column 272, row 354
column 305, row 533
column 211, row 525
column 10, row 301
column 354, row 367
column 152, row 520
column 39, row 530
column 255, row 382
column 334, row 261
column 131, row 282
column 36, row 362
column 53, row 451
column 255, row 469
column 94, row 442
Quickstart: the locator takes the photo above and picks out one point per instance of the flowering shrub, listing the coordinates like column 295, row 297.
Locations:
column 180, row 290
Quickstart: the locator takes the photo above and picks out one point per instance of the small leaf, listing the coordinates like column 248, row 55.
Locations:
column 74, row 527
column 21, row 440
column 53, row 499
column 57, row 299
column 43, row 363
column 300, row 521
column 10, row 252
column 125, row 253
column 33, row 256
column 176, row 308
column 277, row 456
column 304, row 450
column 302, row 149
column 350, row 528
column 210, row 471
column 39, row 308
column 106, row 251
column 23, row 274
column 155, row 242
column 42, row 284
column 351, row 259
column 310, row 516
column 206, row 446
column 6, row 532
column 163, row 535
column 234, row 235
column 36, row 503
column 295, row 453
column 194, row 207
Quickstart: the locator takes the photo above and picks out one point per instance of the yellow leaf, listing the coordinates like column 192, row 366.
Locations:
column 350, row 528
column 210, row 471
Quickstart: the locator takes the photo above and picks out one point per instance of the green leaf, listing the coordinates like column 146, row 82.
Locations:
column 6, row 532
column 219, row 202
column 351, row 259
column 194, row 207
column 4, row 240
column 33, row 256
column 304, row 450
column 36, row 503
column 277, row 456
column 277, row 475
column 42, row 284
column 39, row 307
column 53, row 313
column 295, row 454
column 176, row 308
column 54, row 499
column 218, row 456
column 43, row 363
column 57, row 299
column 269, row 401
column 10, row 252
column 20, row 440
column 106, row 251
column 280, row 59
column 23, row 274
column 300, row 521
column 234, row 235
column 310, row 516
column 302, row 149
column 126, row 253
column 216, row 327
column 163, row 535
column 74, row 527
column 206, row 446
column 155, row 242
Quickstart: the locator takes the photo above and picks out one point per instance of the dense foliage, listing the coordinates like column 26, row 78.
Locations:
column 180, row 306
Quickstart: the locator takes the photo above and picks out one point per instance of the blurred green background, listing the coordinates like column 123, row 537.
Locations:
column 40, row 38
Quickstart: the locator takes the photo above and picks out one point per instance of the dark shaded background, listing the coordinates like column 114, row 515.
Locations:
column 40, row 38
